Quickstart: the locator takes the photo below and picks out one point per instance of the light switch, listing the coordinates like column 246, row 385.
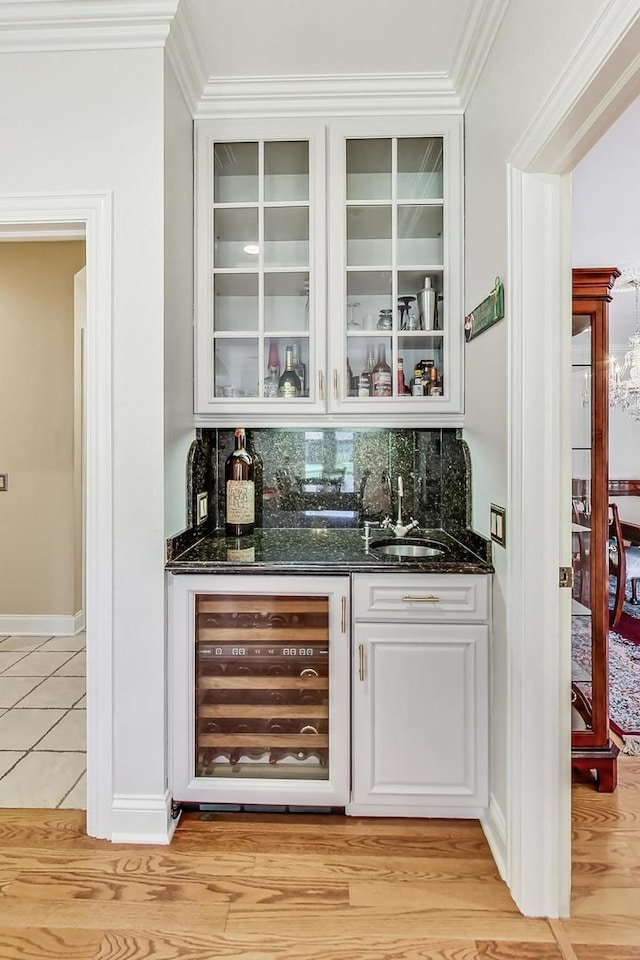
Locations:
column 498, row 524
column 202, row 508
column 4, row 482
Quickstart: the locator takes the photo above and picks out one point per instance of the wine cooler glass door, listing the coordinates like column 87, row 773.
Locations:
column 262, row 687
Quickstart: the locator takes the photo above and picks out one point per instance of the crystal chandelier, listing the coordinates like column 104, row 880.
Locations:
column 624, row 381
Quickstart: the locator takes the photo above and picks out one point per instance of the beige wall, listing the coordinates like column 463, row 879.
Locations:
column 37, row 564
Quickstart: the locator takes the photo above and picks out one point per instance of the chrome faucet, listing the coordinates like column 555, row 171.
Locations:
column 399, row 529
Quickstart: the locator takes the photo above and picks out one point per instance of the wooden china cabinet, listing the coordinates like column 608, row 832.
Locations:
column 592, row 747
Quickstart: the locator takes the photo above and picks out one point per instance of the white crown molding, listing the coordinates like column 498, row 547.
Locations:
column 43, row 25
column 474, row 45
column 331, row 94
column 537, row 148
column 186, row 56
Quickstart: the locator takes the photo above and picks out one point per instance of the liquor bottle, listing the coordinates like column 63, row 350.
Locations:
column 381, row 375
column 240, row 489
column 365, row 380
column 289, row 383
column 300, row 368
column 435, row 384
column 417, row 386
column 401, row 386
column 273, row 367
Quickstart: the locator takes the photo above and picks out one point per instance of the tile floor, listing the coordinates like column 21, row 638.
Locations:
column 43, row 722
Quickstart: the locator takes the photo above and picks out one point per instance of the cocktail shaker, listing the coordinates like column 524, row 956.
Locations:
column 427, row 306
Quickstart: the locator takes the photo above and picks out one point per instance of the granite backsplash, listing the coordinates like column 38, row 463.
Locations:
column 338, row 477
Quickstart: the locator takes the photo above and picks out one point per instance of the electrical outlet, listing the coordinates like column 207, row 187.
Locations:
column 498, row 524
column 202, row 508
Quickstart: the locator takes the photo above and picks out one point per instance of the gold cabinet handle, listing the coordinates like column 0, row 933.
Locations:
column 344, row 615
column 361, row 662
column 428, row 599
column 321, row 384
column 335, row 384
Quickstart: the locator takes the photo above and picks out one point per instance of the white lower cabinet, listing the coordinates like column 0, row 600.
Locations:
column 420, row 696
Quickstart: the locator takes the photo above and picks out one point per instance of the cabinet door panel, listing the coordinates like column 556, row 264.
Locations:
column 420, row 714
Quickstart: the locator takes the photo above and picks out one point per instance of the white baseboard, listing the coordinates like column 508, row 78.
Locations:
column 142, row 818
column 19, row 625
column 494, row 825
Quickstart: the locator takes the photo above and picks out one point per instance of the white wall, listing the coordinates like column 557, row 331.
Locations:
column 38, row 560
column 178, row 395
column 534, row 45
column 93, row 122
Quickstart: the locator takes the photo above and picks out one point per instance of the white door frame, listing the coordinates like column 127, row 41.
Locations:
column 603, row 78
column 46, row 216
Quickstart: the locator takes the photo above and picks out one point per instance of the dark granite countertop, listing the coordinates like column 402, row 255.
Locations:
column 327, row 550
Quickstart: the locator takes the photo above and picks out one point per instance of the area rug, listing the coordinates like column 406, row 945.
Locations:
column 624, row 673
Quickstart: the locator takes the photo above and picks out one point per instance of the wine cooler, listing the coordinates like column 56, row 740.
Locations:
column 260, row 667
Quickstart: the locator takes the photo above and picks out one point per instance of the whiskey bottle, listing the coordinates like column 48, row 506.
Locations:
column 435, row 384
column 417, row 385
column 401, row 384
column 239, row 489
column 289, row 384
column 381, row 375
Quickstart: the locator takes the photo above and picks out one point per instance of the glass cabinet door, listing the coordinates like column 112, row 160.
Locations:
column 581, row 553
column 262, row 687
column 258, row 290
column 393, row 306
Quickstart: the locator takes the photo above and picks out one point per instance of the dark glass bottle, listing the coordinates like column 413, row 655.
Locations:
column 289, row 384
column 240, row 489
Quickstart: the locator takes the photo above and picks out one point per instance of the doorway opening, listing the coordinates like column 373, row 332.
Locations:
column 47, row 217
column 42, row 636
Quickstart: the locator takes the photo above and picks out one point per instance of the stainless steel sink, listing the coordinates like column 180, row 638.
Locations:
column 408, row 547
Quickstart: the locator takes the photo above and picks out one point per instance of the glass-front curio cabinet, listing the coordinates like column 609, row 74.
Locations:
column 592, row 747
column 261, row 709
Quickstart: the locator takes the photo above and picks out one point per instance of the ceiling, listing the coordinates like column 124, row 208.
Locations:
column 606, row 211
column 283, row 37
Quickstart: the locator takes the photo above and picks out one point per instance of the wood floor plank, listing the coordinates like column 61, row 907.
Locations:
column 363, row 921
column 37, row 943
column 606, row 901
column 402, row 869
column 498, row 950
column 135, row 861
column 128, row 945
column 372, row 844
column 603, row 951
column 603, row 929
column 107, row 915
column 450, row 895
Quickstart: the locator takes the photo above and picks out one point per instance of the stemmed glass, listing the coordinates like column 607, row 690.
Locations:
column 403, row 307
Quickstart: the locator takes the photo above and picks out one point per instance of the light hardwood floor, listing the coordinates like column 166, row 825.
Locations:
column 308, row 887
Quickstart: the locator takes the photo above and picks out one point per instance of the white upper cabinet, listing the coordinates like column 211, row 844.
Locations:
column 260, row 267
column 342, row 241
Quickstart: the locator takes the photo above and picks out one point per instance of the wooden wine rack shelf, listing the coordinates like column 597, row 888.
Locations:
column 251, row 635
column 306, row 605
column 301, row 741
column 247, row 710
column 263, row 683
